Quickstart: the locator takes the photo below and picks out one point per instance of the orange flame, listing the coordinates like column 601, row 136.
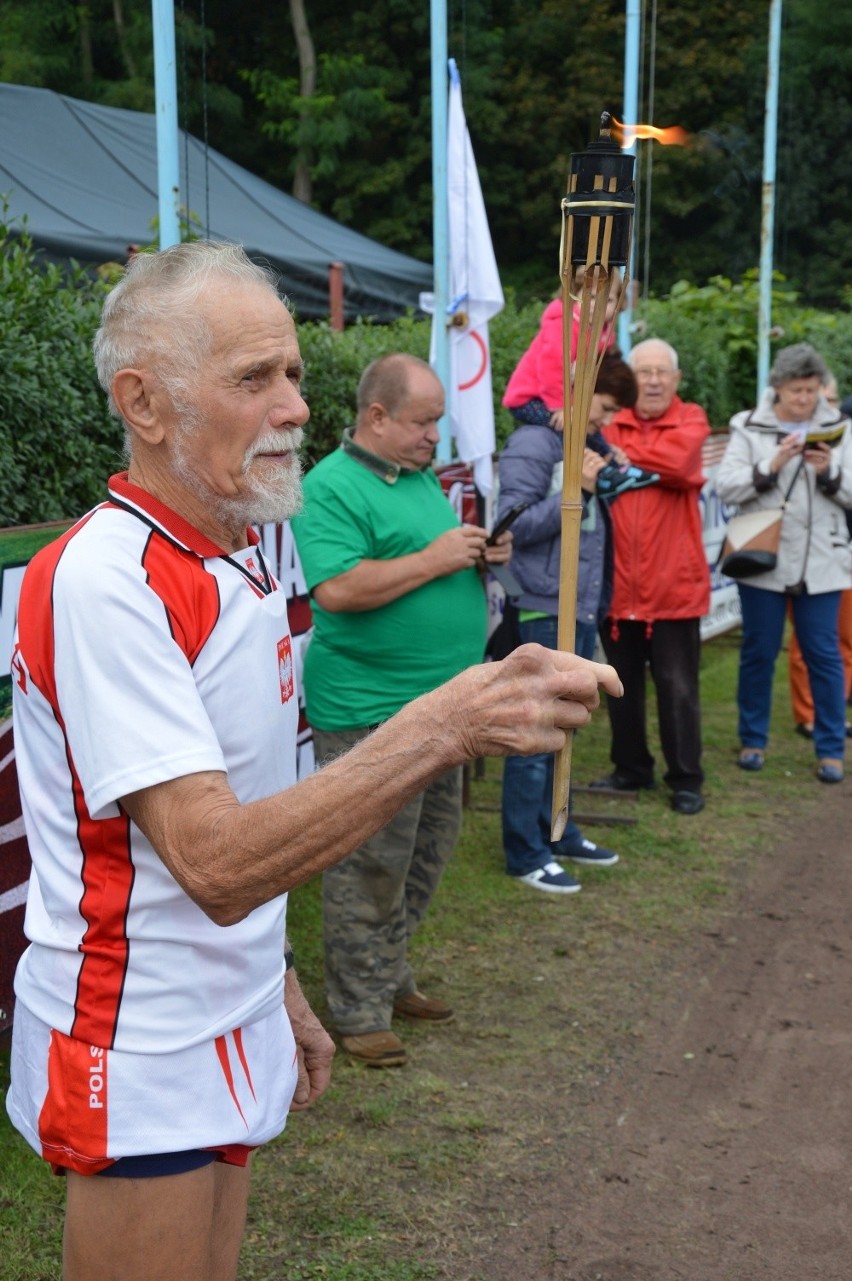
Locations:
column 626, row 135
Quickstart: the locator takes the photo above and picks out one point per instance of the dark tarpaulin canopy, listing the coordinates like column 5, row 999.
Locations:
column 85, row 176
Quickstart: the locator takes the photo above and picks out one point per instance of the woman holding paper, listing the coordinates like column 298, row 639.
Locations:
column 794, row 442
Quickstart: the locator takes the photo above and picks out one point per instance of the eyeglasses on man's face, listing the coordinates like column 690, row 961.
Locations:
column 654, row 371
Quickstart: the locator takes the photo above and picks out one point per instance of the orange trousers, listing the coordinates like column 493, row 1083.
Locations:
column 800, row 688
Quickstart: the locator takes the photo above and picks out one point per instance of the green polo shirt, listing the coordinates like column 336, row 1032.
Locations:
column 361, row 668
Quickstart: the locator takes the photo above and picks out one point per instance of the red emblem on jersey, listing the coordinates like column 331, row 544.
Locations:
column 285, row 669
column 20, row 672
column 255, row 571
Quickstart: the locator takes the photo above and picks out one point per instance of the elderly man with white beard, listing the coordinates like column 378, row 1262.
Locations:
column 160, row 1031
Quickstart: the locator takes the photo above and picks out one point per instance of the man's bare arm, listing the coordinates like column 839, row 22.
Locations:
column 373, row 583
column 230, row 858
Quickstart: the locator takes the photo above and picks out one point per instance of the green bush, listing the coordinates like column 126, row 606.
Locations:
column 57, row 441
column 510, row 333
column 335, row 360
column 714, row 329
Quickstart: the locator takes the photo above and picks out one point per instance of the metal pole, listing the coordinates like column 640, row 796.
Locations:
column 767, row 219
column 165, row 91
column 630, row 115
column 440, row 214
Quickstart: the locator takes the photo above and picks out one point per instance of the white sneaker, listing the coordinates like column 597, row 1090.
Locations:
column 550, row 878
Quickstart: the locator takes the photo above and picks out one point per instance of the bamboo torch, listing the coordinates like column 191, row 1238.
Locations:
column 597, row 214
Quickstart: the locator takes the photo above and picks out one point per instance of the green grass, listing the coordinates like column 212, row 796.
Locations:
column 31, row 1200
column 17, row 547
column 410, row 1175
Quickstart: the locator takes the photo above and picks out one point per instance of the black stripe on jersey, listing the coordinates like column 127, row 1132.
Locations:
column 152, row 524
column 155, row 529
column 266, row 586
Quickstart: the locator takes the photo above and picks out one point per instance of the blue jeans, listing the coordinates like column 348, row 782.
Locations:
column 815, row 618
column 528, row 780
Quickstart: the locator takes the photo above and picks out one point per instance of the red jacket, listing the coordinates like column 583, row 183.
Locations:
column 660, row 564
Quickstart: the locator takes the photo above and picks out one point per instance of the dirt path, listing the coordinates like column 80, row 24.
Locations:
column 719, row 1149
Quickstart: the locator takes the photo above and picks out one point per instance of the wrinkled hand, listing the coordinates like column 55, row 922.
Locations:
column 456, row 549
column 593, row 462
column 525, row 704
column 314, row 1047
column 500, row 553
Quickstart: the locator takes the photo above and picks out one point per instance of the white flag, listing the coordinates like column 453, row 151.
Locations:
column 475, row 296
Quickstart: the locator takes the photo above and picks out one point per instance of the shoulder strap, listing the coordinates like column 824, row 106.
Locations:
column 793, row 481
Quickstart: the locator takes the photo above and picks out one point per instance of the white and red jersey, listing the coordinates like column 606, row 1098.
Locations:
column 143, row 654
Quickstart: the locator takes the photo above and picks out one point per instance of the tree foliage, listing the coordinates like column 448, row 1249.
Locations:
column 713, row 327
column 535, row 79
column 58, row 443
column 57, row 440
column 341, row 113
column 814, row 247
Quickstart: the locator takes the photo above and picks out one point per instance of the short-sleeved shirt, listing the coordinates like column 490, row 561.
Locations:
column 362, row 667
column 144, row 654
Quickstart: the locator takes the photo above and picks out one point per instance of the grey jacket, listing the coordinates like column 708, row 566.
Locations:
column 815, row 549
column 530, row 471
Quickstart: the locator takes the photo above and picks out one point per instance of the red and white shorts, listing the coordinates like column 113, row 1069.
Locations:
column 82, row 1107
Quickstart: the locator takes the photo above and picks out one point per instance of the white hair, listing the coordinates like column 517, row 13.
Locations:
column 636, row 352
column 152, row 316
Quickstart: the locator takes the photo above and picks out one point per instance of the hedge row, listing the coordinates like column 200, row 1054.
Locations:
column 58, row 443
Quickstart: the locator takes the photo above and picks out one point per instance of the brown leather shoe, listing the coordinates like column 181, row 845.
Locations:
column 417, row 1006
column 376, row 1049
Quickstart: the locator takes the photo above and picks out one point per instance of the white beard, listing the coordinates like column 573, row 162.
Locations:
column 272, row 497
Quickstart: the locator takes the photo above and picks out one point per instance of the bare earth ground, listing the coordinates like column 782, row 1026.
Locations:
column 718, row 1146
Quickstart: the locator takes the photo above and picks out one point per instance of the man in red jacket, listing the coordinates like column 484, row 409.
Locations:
column 662, row 582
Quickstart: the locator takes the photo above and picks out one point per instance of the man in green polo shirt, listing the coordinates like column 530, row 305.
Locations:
column 399, row 607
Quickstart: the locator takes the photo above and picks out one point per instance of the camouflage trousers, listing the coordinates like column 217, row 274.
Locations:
column 374, row 900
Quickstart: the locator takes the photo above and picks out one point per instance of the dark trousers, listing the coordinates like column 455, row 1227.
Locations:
column 672, row 650
column 528, row 780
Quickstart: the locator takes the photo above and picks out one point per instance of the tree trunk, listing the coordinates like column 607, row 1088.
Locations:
column 87, row 65
column 121, row 33
column 302, row 185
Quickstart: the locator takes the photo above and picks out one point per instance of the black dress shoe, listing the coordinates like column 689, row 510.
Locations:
column 687, row 802
column 619, row 783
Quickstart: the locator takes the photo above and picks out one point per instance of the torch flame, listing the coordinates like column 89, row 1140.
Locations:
column 626, row 135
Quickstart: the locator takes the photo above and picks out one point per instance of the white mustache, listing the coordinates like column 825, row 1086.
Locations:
column 277, row 442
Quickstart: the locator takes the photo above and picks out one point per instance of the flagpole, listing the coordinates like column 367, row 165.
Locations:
column 767, row 223
column 630, row 114
column 440, row 216
column 165, row 92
